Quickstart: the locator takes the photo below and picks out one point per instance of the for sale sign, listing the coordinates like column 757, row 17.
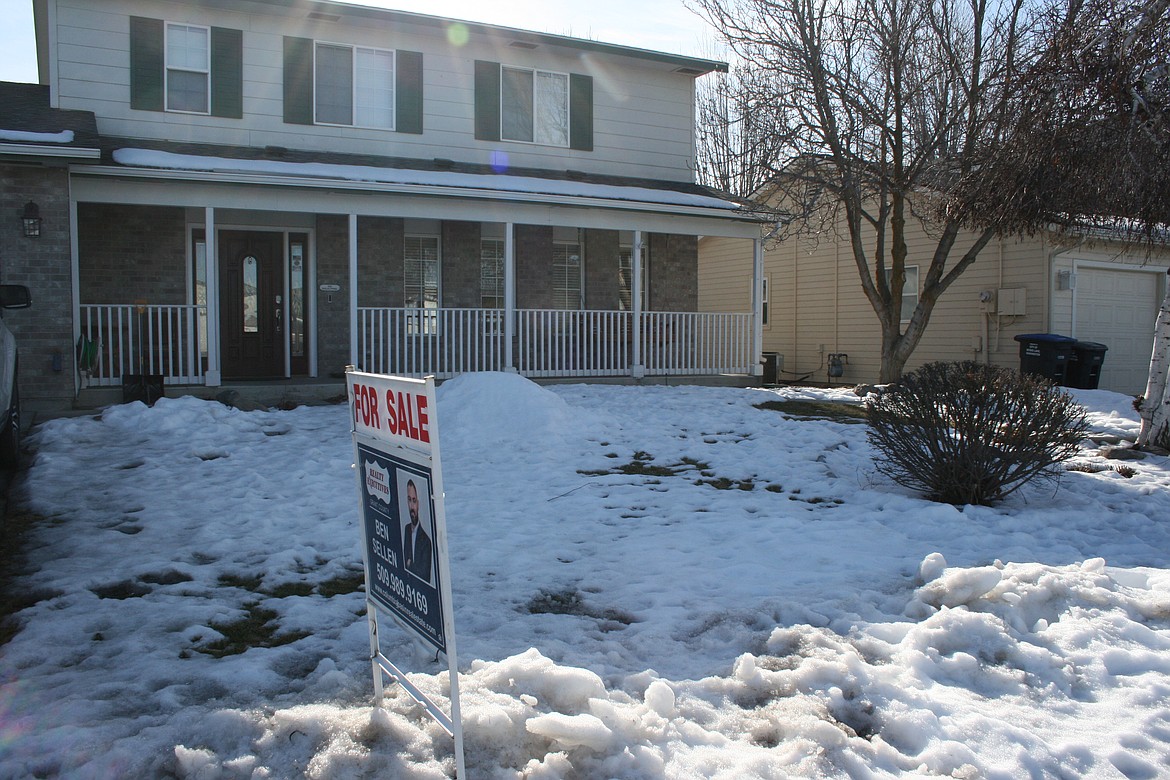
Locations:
column 400, row 482
column 396, row 456
column 400, row 532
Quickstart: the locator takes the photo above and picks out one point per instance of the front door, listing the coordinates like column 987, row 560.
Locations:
column 251, row 286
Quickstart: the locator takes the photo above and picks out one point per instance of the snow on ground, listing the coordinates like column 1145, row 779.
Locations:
column 649, row 582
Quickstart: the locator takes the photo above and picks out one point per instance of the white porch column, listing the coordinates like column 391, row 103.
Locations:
column 214, row 375
column 75, row 285
column 637, row 370
column 509, row 294
column 757, row 353
column 353, row 294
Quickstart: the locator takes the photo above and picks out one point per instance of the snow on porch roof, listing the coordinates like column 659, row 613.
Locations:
column 457, row 176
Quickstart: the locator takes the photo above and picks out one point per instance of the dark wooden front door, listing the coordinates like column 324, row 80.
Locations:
column 251, row 284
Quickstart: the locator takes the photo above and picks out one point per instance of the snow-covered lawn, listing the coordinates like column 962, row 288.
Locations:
column 649, row 582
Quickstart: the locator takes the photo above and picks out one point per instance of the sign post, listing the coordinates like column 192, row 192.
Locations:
column 400, row 484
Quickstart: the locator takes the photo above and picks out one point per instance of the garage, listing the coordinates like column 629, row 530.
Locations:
column 1118, row 308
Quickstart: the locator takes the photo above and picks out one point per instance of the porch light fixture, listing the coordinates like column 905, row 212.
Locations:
column 30, row 220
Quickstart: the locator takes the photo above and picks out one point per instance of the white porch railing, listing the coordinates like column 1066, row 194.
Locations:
column 442, row 342
column 166, row 340
column 676, row 343
column 560, row 342
column 133, row 339
column 552, row 342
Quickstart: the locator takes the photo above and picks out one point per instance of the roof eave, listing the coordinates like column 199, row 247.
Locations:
column 280, row 180
column 690, row 66
column 56, row 152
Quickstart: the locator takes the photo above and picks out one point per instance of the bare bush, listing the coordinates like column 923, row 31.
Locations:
column 968, row 433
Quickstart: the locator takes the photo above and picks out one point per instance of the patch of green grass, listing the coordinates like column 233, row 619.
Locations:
column 244, row 582
column 642, row 465
column 286, row 589
column 350, row 582
column 126, row 589
column 168, row 577
column 836, row 411
column 569, row 602
column 257, row 628
column 723, row 483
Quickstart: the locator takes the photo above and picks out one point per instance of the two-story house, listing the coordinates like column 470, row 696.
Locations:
column 274, row 189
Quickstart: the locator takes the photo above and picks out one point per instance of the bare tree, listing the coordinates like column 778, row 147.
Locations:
column 1089, row 149
column 1087, row 144
column 878, row 103
column 737, row 150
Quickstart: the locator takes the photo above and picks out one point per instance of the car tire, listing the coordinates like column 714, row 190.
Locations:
column 10, row 435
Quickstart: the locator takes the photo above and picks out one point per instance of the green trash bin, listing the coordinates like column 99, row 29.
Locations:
column 1046, row 355
column 1084, row 366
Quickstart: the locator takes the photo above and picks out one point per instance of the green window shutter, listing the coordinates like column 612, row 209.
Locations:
column 487, row 100
column 408, row 92
column 298, row 81
column 581, row 112
column 227, row 72
column 146, row 64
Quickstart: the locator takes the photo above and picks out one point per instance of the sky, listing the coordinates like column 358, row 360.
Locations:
column 661, row 25
column 646, row 582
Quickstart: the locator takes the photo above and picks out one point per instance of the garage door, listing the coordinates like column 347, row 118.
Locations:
column 1118, row 309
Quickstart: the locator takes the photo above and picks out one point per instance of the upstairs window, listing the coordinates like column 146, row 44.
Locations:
column 354, row 86
column 188, row 68
column 534, row 106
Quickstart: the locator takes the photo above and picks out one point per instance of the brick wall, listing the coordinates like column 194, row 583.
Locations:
column 534, row 279
column 380, row 249
column 674, row 272
column 602, row 283
column 460, row 264
column 332, row 307
column 44, row 332
column 128, row 254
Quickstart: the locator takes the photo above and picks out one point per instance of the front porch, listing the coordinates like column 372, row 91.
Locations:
column 205, row 280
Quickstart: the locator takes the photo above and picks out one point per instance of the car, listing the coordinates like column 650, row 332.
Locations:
column 12, row 296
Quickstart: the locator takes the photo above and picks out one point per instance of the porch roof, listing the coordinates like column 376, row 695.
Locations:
column 369, row 180
column 30, row 127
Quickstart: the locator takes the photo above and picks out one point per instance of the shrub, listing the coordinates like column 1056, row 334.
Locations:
column 968, row 433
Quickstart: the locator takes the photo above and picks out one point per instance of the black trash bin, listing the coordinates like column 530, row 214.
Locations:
column 771, row 368
column 1045, row 354
column 1084, row 367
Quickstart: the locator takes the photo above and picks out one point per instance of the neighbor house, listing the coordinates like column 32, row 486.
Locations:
column 276, row 189
column 815, row 314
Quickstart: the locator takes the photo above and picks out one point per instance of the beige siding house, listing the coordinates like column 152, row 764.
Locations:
column 815, row 308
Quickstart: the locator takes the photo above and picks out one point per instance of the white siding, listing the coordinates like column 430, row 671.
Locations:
column 642, row 111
